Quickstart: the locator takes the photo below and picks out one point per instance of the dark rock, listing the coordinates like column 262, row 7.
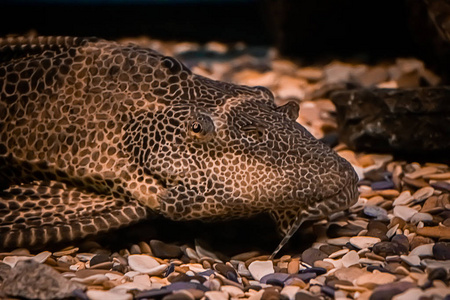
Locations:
column 169, row 270
column 388, row 248
column 382, row 185
column 375, row 211
column 334, row 230
column 208, row 272
column 316, row 270
column 371, row 268
column 252, row 287
column 280, row 277
column 177, row 296
column 30, row 279
column 328, row 249
column 441, row 251
column 98, row 259
column 186, row 278
column 441, row 185
column 438, row 273
column 402, row 240
column 186, row 285
column 271, row 294
column 377, row 233
column 420, row 240
column 311, row 255
column 164, row 250
column 387, row 291
column 304, row 295
column 329, row 291
column 227, row 271
column 153, row 294
column 409, row 121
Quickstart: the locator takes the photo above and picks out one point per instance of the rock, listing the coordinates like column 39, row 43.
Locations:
column 304, row 295
column 441, row 251
column 403, row 199
column 387, row 291
column 439, row 274
column 371, row 280
column 101, row 295
column 388, row 248
column 294, row 266
column 376, row 212
column 387, row 120
column 340, row 241
column 232, row 290
column 310, row 255
column 349, row 274
column 98, row 258
column 421, row 217
column 290, row 291
column 216, row 295
column 275, row 278
column 382, row 185
column 423, row 193
column 420, row 240
column 145, row 264
column 329, row 249
column 401, row 239
column 163, row 250
column 30, row 279
column 259, row 269
column 423, row 250
column 362, row 242
column 404, row 212
column 350, row 259
column 436, row 232
column 412, row 260
column 153, row 294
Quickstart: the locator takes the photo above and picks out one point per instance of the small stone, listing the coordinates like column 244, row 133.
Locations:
column 99, row 258
column 153, row 294
column 375, row 211
column 30, row 279
column 231, row 290
column 403, row 199
column 350, row 259
column 323, row 264
column 439, row 274
column 382, row 185
column 259, row 269
column 101, row 295
column 202, row 250
column 329, row 249
column 436, row 232
column 421, row 217
column 163, row 250
column 305, row 295
column 290, row 291
column 423, row 250
column 275, row 278
column 371, row 280
column 404, row 212
column 423, row 193
column 420, row 240
column 387, row 291
column 42, row 257
column 246, row 255
column 311, row 255
column 389, row 248
column 349, row 274
column 142, row 263
column 135, row 249
column 340, row 241
column 441, row 251
column 362, row 242
column 294, row 266
column 412, row 260
column 270, row 294
column 339, row 253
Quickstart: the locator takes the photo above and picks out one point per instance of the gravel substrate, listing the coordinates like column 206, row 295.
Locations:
column 392, row 244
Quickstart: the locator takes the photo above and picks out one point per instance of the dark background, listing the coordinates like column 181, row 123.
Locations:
column 308, row 29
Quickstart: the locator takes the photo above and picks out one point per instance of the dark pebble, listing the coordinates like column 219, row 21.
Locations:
column 441, row 251
column 377, row 175
column 378, row 234
column 420, row 240
column 186, row 285
column 177, row 296
column 252, row 287
column 311, row 255
column 272, row 294
column 332, row 282
column 305, row 276
column 208, row 272
column 402, row 240
column 382, row 185
column 79, row 294
column 441, row 185
column 227, row 271
column 281, row 277
column 438, row 273
column 388, row 248
column 329, row 291
column 328, row 249
column 377, row 225
column 98, row 259
column 152, row 294
column 164, row 250
column 303, row 295
column 317, row 270
column 387, row 291
column 335, row 230
column 169, row 270
column 375, row 212
column 371, row 268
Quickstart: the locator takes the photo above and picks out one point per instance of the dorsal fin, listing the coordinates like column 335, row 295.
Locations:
column 13, row 48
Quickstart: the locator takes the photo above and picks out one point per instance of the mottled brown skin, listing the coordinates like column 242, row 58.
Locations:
column 95, row 135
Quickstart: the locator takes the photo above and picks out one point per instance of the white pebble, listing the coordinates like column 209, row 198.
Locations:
column 259, row 269
column 362, row 242
column 350, row 259
column 101, row 295
column 404, row 212
column 423, row 193
column 142, row 263
column 403, row 199
column 421, row 217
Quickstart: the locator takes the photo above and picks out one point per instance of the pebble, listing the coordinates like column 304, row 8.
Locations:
column 435, row 231
column 412, row 260
column 311, row 255
column 362, row 242
column 142, row 263
column 216, row 295
column 423, row 193
column 441, row 251
column 371, row 280
column 350, row 259
column 231, row 290
column 259, row 269
column 387, row 291
column 375, row 211
column 423, row 250
column 404, row 212
column 403, row 199
column 164, row 250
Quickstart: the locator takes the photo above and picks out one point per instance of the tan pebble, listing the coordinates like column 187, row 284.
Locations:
column 401, row 270
column 233, row 291
column 365, row 161
column 423, row 193
column 372, row 255
column 392, row 231
column 285, row 258
column 259, row 269
column 216, row 295
column 261, row 258
column 257, row 295
column 421, row 172
column 294, row 266
column 433, row 205
column 418, row 183
column 403, row 199
column 323, row 264
column 339, row 253
column 435, row 231
column 78, row 266
column 197, row 268
column 181, row 269
column 367, row 261
column 298, row 282
column 192, row 254
column 13, row 260
column 289, row 291
column 145, row 248
column 340, row 241
column 315, row 289
column 143, row 279
column 362, row 242
column 350, row 259
column 389, row 193
column 206, row 264
column 349, row 156
column 438, row 176
column 375, row 201
column 246, row 255
column 351, row 288
column 337, row 263
column 282, row 265
column 101, row 295
column 371, row 280
column 398, row 171
column 95, row 279
column 67, row 251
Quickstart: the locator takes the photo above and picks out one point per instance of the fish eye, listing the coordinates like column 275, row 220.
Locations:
column 196, row 127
